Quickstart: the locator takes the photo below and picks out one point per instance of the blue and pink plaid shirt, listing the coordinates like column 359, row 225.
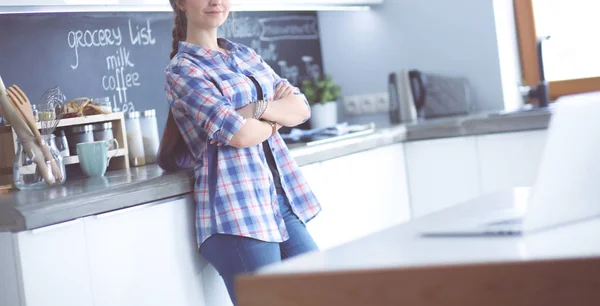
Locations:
column 234, row 190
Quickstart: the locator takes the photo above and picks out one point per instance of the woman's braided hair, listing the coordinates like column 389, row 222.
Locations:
column 173, row 152
column 180, row 28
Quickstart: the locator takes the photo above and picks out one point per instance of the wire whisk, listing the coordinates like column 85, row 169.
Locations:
column 51, row 110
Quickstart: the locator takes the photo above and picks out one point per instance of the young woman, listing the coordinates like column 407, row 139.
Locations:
column 252, row 200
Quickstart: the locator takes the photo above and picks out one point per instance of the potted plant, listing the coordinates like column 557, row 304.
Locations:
column 322, row 95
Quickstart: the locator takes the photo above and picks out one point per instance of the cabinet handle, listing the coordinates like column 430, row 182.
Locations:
column 122, row 211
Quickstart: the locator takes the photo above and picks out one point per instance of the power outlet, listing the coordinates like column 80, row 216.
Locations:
column 351, row 105
column 366, row 104
column 382, row 102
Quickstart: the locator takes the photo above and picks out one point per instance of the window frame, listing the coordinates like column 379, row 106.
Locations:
column 526, row 34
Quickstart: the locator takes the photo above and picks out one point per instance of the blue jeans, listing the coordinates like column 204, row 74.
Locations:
column 232, row 255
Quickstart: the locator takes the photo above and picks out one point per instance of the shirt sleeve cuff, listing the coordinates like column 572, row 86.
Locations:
column 231, row 124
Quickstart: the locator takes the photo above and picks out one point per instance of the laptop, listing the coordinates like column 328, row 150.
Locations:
column 567, row 186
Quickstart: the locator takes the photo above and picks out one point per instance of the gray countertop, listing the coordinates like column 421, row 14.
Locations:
column 25, row 210
column 474, row 124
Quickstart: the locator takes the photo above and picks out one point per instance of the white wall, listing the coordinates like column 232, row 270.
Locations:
column 455, row 37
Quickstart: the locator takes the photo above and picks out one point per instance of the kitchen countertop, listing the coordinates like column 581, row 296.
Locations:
column 459, row 126
column 25, row 210
column 400, row 266
column 480, row 124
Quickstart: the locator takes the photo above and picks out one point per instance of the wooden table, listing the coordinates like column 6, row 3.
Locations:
column 398, row 266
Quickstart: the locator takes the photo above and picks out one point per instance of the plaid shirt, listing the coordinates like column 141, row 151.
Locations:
column 234, row 189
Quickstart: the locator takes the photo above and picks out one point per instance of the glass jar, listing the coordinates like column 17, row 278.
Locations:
column 35, row 113
column 134, row 139
column 104, row 104
column 150, row 135
column 78, row 134
column 62, row 143
column 103, row 131
column 31, row 169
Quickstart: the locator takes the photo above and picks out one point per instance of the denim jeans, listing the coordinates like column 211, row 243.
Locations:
column 232, row 255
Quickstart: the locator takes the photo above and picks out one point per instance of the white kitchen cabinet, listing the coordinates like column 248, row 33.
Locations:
column 146, row 255
column 320, row 226
column 215, row 291
column 384, row 181
column 53, row 264
column 509, row 159
column 9, row 277
column 360, row 193
column 441, row 173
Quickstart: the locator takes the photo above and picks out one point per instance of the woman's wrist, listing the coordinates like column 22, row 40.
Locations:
column 273, row 126
column 260, row 107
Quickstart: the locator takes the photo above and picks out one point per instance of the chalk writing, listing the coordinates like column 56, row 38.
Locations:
column 141, row 36
column 240, row 27
column 291, row 73
column 93, row 38
column 271, row 28
column 313, row 71
column 268, row 54
column 119, row 80
column 119, row 64
column 288, row 27
column 120, row 59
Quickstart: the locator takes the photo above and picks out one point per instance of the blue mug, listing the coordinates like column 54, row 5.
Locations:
column 93, row 156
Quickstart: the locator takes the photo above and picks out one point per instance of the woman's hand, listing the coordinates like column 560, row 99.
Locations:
column 283, row 90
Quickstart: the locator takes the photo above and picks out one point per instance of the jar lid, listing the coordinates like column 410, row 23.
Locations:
column 149, row 113
column 79, row 129
column 101, row 99
column 103, row 126
column 133, row 115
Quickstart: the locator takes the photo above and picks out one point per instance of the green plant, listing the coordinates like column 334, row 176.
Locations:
column 320, row 90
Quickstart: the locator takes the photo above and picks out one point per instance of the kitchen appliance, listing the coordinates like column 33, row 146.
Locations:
column 446, row 96
column 418, row 82
column 415, row 94
column 402, row 106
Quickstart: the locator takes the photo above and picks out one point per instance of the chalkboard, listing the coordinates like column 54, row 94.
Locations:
column 123, row 55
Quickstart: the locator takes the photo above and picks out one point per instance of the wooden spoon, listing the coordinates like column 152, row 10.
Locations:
column 25, row 105
column 21, row 102
column 24, row 132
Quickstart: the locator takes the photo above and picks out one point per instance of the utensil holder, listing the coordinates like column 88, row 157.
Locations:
column 9, row 145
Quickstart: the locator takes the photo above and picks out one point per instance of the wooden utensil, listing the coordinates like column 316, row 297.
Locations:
column 24, row 104
column 23, row 131
column 21, row 102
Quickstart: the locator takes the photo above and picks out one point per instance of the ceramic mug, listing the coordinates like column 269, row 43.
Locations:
column 93, row 156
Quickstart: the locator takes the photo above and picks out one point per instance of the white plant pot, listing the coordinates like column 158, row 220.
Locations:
column 323, row 115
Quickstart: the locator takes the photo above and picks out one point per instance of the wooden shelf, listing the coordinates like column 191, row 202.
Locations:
column 120, row 161
column 87, row 119
column 74, row 159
